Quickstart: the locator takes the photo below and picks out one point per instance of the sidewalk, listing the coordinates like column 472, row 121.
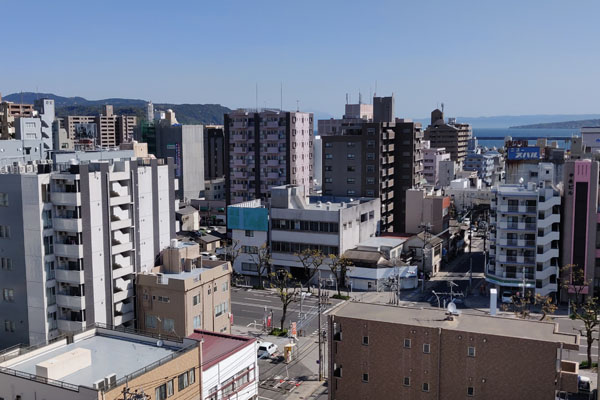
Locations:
column 308, row 390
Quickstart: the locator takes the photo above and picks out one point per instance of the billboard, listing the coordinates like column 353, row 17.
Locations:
column 523, row 153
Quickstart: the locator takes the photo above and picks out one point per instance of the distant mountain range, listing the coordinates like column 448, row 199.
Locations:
column 185, row 113
column 562, row 125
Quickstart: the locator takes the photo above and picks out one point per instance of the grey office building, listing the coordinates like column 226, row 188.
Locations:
column 214, row 152
column 185, row 144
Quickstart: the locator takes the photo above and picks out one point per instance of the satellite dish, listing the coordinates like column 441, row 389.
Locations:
column 521, row 180
column 159, row 343
column 452, row 308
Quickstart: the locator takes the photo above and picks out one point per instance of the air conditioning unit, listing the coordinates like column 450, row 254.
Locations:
column 99, row 385
column 110, row 380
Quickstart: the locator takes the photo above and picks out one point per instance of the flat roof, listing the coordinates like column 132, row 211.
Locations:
column 218, row 346
column 379, row 241
column 109, row 355
column 465, row 322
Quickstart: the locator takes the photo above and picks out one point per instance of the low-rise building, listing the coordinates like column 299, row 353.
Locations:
column 101, row 363
column 295, row 222
column 483, row 164
column 229, row 365
column 212, row 212
column 467, row 194
column 429, row 209
column 431, row 164
column 188, row 218
column 424, row 245
column 185, row 293
column 444, row 357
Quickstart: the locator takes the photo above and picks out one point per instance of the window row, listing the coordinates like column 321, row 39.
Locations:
column 308, row 226
column 287, row 247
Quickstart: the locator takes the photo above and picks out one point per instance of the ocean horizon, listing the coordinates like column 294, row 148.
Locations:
column 482, row 133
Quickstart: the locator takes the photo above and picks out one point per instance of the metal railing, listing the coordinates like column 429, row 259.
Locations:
column 40, row 379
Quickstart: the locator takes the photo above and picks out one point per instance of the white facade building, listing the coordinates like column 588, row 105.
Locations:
column 525, row 235
column 297, row 222
column 468, row 193
column 74, row 236
column 431, row 164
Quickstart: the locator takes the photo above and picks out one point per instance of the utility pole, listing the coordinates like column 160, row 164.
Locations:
column 319, row 322
column 470, row 254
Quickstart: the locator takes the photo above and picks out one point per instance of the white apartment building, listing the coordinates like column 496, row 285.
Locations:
column 468, row 193
column 295, row 222
column 73, row 236
column 431, row 164
column 525, row 235
column 266, row 149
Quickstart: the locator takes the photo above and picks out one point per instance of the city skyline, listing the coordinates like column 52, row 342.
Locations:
column 479, row 59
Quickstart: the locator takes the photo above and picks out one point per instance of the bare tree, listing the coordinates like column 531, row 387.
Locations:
column 587, row 313
column 232, row 251
column 311, row 261
column 287, row 290
column 340, row 267
column 262, row 259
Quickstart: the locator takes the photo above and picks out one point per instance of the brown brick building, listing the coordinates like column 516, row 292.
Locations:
column 387, row 352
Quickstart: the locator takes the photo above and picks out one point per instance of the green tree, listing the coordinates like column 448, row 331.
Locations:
column 311, row 261
column 588, row 314
column 262, row 259
column 287, row 290
column 339, row 266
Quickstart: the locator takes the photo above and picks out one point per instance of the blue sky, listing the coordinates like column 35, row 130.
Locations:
column 478, row 57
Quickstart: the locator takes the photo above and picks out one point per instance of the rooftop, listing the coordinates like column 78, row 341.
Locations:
column 465, row 322
column 218, row 346
column 380, row 241
column 134, row 352
column 207, row 265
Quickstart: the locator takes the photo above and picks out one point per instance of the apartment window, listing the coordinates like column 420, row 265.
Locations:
column 406, row 381
column 249, row 233
column 407, row 343
column 6, row 263
column 370, row 144
column 8, row 295
column 351, row 192
column 370, row 156
column 250, row 249
column 471, row 352
column 198, row 321
column 45, row 192
column 370, row 181
column 3, row 199
column 350, row 180
column 168, row 325
column 151, row 322
column 4, row 231
column 426, row 387
column 48, row 245
column 370, row 193
column 328, row 180
column 351, row 144
column 47, row 219
column 365, row 378
column 426, row 348
column 350, row 156
column 164, row 299
column 470, row 391
column 9, row 326
column 328, row 145
column 328, row 168
column 328, row 156
column 186, row 379
column 161, row 392
column 225, row 286
column 370, row 168
column 365, row 340
column 196, row 300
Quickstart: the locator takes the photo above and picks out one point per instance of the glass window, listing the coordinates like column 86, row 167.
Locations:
column 406, row 381
column 182, row 381
column 407, row 343
column 171, row 388
column 426, row 387
column 426, row 348
column 3, row 199
column 151, row 321
column 471, row 352
column 168, row 325
column 161, row 392
column 198, row 322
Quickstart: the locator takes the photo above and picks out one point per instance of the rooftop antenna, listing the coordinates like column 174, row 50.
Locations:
column 359, row 97
column 280, row 96
column 346, row 98
column 375, row 92
column 442, row 107
column 297, row 105
column 256, row 95
column 370, row 95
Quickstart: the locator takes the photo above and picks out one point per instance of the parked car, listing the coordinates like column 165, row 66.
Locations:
column 507, row 296
column 208, row 256
column 266, row 349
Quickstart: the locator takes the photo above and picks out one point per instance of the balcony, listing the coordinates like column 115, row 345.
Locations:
column 119, row 200
column 70, row 326
column 273, row 137
column 514, row 209
column 72, row 302
column 547, row 221
column 272, row 163
column 122, row 284
column 239, row 162
column 121, row 248
column 273, row 175
column 240, row 175
column 521, row 226
column 122, row 295
column 66, row 198
column 272, row 150
column 239, row 186
column 547, row 255
column 121, row 319
column 68, row 250
column 123, row 308
column 68, row 276
column 240, row 150
column 67, row 224
column 120, row 224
